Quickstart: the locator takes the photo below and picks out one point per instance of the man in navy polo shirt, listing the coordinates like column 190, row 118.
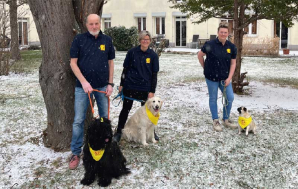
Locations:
column 219, row 68
column 92, row 55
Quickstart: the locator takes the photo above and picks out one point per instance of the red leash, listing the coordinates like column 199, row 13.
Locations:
column 91, row 102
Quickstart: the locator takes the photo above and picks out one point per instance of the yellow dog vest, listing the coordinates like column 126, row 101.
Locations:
column 96, row 154
column 153, row 119
column 244, row 122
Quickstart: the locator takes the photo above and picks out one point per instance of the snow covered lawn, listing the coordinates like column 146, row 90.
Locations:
column 190, row 154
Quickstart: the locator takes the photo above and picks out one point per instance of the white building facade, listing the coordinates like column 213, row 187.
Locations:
column 157, row 17
column 26, row 27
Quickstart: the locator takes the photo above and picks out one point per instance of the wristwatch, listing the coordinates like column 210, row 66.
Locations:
column 112, row 84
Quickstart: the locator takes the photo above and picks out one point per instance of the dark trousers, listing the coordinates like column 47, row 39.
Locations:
column 127, row 104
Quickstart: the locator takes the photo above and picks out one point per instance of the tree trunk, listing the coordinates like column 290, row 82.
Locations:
column 238, row 41
column 13, row 17
column 83, row 8
column 55, row 21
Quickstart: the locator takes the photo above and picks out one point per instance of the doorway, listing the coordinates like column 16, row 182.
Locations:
column 23, row 31
column 181, row 31
column 281, row 31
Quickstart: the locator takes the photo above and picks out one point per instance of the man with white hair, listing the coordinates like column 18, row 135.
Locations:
column 92, row 55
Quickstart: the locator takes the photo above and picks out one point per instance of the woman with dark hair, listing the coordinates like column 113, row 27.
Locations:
column 138, row 79
column 219, row 67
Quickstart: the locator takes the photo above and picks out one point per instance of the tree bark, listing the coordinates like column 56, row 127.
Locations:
column 239, row 13
column 82, row 8
column 13, row 19
column 55, row 21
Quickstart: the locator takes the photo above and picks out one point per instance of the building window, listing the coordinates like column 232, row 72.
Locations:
column 107, row 23
column 160, row 25
column 251, row 29
column 231, row 25
column 141, row 24
column 23, row 31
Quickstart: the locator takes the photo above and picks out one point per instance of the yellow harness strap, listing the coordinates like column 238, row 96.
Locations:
column 96, row 154
column 244, row 122
column 153, row 119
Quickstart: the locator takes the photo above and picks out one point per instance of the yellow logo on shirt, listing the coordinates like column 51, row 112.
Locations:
column 102, row 47
column 228, row 50
column 148, row 60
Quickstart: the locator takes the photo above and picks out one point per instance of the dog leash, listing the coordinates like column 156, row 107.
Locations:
column 224, row 98
column 122, row 97
column 92, row 105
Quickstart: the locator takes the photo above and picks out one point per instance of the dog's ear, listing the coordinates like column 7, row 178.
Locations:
column 245, row 109
column 148, row 102
column 239, row 110
column 106, row 120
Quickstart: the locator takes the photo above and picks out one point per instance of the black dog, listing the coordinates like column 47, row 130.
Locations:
column 102, row 157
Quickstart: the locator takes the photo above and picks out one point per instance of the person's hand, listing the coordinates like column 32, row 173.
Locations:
column 87, row 87
column 120, row 88
column 227, row 82
column 150, row 95
column 109, row 90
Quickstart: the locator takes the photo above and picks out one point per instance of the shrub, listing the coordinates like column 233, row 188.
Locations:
column 261, row 46
column 123, row 39
column 4, row 62
column 34, row 47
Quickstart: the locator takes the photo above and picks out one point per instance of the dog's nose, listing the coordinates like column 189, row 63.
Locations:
column 156, row 107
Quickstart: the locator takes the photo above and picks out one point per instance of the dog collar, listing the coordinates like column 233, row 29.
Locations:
column 153, row 119
column 96, row 154
column 244, row 122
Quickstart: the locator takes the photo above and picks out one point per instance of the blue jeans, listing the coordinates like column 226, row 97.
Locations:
column 213, row 93
column 80, row 107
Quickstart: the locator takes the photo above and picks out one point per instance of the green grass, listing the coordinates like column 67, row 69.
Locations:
column 190, row 79
column 282, row 82
column 30, row 62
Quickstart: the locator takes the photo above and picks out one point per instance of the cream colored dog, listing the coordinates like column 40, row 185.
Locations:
column 245, row 121
column 140, row 127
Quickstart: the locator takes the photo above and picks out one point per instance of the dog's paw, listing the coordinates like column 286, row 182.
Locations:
column 145, row 144
column 104, row 182
column 86, row 181
column 154, row 141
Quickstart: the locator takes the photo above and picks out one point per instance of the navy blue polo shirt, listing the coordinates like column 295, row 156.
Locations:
column 140, row 66
column 93, row 56
column 218, row 59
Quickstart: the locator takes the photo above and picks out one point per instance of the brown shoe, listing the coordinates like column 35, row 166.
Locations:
column 74, row 162
column 229, row 123
column 216, row 125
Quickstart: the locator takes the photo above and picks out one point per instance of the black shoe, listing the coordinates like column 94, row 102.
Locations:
column 156, row 137
column 117, row 137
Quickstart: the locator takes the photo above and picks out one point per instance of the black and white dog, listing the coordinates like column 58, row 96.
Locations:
column 245, row 121
column 102, row 157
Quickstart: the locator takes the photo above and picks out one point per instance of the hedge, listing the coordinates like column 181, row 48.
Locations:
column 123, row 39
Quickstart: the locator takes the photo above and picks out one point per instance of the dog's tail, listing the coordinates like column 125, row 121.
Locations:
column 126, row 171
column 122, row 172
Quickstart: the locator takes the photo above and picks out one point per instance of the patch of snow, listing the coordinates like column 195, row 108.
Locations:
column 189, row 155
